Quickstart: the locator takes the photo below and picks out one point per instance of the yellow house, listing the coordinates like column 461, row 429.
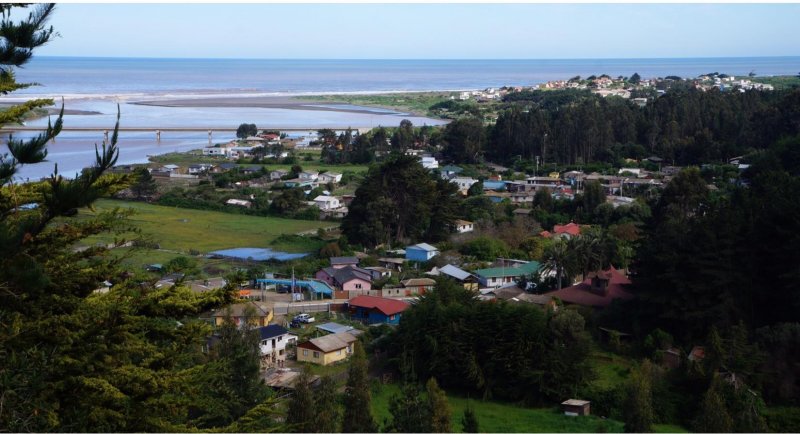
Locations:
column 259, row 314
column 327, row 349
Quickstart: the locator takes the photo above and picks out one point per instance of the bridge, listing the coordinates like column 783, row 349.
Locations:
column 159, row 130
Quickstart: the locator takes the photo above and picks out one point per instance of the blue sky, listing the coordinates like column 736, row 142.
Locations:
column 425, row 31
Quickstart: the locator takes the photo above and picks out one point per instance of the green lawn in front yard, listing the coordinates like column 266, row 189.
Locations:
column 183, row 229
column 611, row 369
column 496, row 416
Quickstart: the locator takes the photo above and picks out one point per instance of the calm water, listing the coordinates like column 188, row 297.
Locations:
column 99, row 84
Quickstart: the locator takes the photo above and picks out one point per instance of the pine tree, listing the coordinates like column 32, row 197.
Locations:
column 410, row 412
column 302, row 410
column 145, row 186
column 638, row 413
column 326, row 405
column 439, row 408
column 469, row 421
column 357, row 398
column 713, row 415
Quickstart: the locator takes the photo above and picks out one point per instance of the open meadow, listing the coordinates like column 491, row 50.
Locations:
column 495, row 416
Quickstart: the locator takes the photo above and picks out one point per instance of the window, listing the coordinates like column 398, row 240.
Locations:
column 316, row 354
column 358, row 286
column 391, row 317
column 305, row 352
column 280, row 352
column 280, row 338
column 339, row 353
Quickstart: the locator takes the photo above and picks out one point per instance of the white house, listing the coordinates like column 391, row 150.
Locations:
column 276, row 175
column 636, row 171
column 463, row 226
column 430, row 163
column 463, row 183
column 215, row 150
column 332, row 177
column 171, row 167
column 195, row 169
column 309, row 175
column 273, row 341
column 326, row 203
column 239, row 202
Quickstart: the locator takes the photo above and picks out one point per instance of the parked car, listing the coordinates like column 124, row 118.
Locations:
column 304, row 318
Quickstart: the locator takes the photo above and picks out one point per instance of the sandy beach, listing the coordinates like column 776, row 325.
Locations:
column 276, row 102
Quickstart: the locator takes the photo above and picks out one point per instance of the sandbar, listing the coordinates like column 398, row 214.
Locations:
column 277, row 102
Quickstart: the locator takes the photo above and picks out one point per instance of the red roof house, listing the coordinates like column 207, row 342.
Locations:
column 570, row 229
column 373, row 310
column 598, row 290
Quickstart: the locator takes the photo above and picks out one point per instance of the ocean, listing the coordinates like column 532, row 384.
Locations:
column 99, row 84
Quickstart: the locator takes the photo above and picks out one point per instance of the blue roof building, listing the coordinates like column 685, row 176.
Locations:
column 421, row 252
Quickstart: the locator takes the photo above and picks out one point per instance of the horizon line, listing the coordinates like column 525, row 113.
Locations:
column 413, row 59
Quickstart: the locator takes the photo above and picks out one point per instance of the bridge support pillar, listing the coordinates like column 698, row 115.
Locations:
column 105, row 136
column 158, row 135
column 209, row 137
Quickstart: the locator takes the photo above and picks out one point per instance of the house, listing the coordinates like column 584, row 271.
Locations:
column 450, row 171
column 563, row 231
column 276, row 175
column 497, row 276
column 379, row 272
column 215, row 150
column 463, row 183
column 299, row 183
column 429, row 163
column 260, row 314
column 348, row 278
column 698, row 353
column 421, row 252
column 463, row 226
column 326, row 203
column 308, row 175
column 494, row 185
column 239, row 202
column 598, row 290
column 576, row 407
column 395, row 264
column 195, row 169
column 326, row 349
column 343, row 261
column 468, row 280
column 274, row 339
column 170, row 167
column 330, row 177
column 376, row 310
column 418, row 286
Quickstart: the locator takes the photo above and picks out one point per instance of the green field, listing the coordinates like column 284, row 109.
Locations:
column 182, row 229
column 412, row 102
column 496, row 416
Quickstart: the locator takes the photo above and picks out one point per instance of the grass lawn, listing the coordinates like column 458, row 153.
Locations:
column 412, row 102
column 182, row 229
column 611, row 369
column 504, row 417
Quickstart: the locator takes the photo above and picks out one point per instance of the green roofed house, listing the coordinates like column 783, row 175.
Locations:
column 498, row 276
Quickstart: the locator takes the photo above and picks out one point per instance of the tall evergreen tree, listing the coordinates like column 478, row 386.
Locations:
column 469, row 421
column 440, row 413
column 302, row 410
column 411, row 413
column 326, row 407
column 638, row 409
column 713, row 414
column 357, row 398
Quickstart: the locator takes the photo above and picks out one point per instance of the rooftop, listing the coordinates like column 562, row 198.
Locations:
column 386, row 306
column 513, row 271
column 423, row 246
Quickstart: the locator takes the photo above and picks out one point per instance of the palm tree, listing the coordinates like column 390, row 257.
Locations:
column 559, row 258
column 588, row 251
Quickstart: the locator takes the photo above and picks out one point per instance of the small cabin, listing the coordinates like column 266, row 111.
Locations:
column 575, row 407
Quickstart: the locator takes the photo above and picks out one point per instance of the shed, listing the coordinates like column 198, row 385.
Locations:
column 576, row 407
